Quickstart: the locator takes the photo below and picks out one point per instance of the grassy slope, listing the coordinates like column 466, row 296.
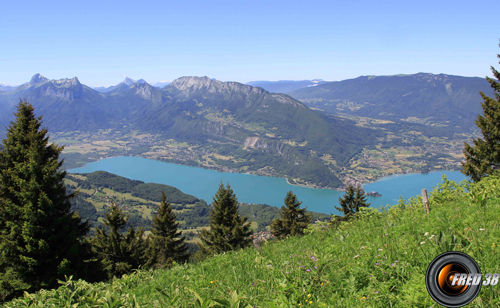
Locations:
column 379, row 260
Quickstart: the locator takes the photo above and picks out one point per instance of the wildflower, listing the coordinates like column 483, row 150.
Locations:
column 308, row 270
column 287, row 272
column 481, row 229
column 363, row 247
column 387, row 234
column 396, row 261
column 421, row 243
column 321, row 283
column 310, row 302
column 380, row 249
column 432, row 236
column 376, row 263
column 308, row 295
column 363, row 297
column 426, row 234
column 315, row 267
column 212, row 281
column 356, row 256
column 393, row 264
column 253, row 284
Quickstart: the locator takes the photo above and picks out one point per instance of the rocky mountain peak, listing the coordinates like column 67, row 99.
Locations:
column 193, row 84
column 128, row 81
column 37, row 78
column 141, row 81
column 67, row 82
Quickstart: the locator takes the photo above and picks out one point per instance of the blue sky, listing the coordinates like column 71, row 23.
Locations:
column 100, row 43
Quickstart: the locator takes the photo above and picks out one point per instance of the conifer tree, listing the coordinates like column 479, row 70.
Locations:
column 228, row 230
column 352, row 201
column 119, row 253
column 41, row 239
column 166, row 244
column 483, row 157
column 293, row 219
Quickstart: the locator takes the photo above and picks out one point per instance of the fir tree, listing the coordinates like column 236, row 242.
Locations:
column 166, row 244
column 483, row 157
column 228, row 230
column 118, row 253
column 41, row 239
column 352, row 201
column 293, row 219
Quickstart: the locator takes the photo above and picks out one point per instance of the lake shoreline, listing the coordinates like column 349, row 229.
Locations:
column 232, row 171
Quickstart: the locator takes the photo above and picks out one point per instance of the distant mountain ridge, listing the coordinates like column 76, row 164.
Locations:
column 286, row 86
column 430, row 99
column 5, row 87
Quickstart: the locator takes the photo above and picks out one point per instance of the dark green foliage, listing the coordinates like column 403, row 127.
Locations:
column 166, row 244
column 483, row 157
column 228, row 230
column 41, row 239
column 151, row 191
column 148, row 191
column 264, row 214
column 352, row 201
column 293, row 219
column 119, row 253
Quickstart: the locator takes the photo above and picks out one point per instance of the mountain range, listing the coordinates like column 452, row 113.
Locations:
column 270, row 130
column 444, row 100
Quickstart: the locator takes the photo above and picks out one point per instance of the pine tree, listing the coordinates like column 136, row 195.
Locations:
column 352, row 201
column 483, row 157
column 118, row 253
column 228, row 230
column 293, row 219
column 166, row 244
column 41, row 239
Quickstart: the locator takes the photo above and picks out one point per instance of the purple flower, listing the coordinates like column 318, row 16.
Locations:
column 376, row 263
column 386, row 234
column 396, row 261
column 315, row 267
column 308, row 270
column 253, row 284
column 287, row 272
column 393, row 264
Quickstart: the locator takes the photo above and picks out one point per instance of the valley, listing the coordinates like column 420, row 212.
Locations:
column 400, row 151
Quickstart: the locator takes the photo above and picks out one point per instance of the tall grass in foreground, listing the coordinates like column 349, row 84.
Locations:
column 377, row 260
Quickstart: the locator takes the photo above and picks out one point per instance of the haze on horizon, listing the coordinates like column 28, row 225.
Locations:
column 101, row 43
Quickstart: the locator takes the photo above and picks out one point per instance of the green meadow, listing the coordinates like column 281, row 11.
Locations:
column 378, row 259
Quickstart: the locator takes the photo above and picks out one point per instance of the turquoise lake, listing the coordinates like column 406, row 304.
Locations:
column 249, row 188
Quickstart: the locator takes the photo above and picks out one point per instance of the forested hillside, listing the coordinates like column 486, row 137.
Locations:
column 445, row 100
column 99, row 190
